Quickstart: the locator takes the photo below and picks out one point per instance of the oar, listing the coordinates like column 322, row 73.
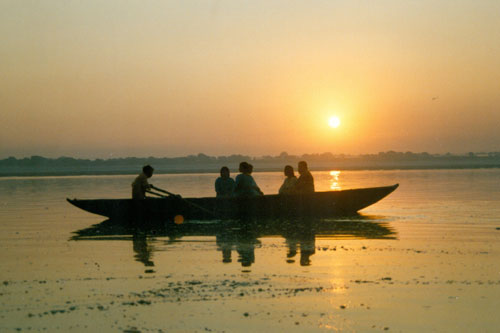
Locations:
column 158, row 194
column 166, row 192
column 187, row 201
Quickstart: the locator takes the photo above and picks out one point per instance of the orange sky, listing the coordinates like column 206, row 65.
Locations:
column 170, row 78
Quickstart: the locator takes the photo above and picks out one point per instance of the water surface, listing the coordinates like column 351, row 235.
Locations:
column 424, row 258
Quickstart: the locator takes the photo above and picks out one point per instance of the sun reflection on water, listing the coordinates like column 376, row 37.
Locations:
column 334, row 186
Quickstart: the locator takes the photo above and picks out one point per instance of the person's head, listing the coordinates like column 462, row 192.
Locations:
column 250, row 168
column 224, row 172
column 302, row 167
column 243, row 167
column 148, row 170
column 289, row 171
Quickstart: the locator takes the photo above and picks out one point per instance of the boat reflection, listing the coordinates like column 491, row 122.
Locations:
column 243, row 237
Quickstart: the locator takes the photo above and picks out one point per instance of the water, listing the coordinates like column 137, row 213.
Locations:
column 430, row 248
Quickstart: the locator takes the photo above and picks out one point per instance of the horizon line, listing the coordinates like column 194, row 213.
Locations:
column 282, row 154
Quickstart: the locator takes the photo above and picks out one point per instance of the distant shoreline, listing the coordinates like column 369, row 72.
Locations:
column 37, row 166
column 61, row 173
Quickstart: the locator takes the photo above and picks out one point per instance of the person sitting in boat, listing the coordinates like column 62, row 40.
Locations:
column 288, row 185
column 224, row 185
column 305, row 182
column 250, row 170
column 140, row 184
column 245, row 185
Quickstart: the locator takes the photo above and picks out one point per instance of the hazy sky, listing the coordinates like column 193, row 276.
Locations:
column 170, row 78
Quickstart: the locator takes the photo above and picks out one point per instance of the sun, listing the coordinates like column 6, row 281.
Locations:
column 334, row 121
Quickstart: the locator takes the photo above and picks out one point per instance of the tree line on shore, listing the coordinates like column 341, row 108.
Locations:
column 202, row 159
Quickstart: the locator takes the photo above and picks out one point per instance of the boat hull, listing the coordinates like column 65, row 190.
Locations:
column 318, row 204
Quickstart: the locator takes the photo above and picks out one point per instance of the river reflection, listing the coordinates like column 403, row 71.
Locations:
column 143, row 250
column 242, row 238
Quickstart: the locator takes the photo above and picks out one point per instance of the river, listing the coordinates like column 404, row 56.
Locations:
column 424, row 258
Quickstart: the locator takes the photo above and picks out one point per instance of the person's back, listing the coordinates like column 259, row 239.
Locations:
column 224, row 185
column 140, row 184
column 245, row 185
column 305, row 182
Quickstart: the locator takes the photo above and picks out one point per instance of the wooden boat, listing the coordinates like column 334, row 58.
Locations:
column 318, row 204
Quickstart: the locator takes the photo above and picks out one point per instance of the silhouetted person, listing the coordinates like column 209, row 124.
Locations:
column 139, row 188
column 245, row 185
column 250, row 170
column 224, row 185
column 305, row 183
column 140, row 184
column 288, row 185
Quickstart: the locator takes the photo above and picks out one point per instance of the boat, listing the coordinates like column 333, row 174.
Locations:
column 177, row 209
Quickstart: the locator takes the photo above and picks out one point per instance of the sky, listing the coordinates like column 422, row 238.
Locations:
column 101, row 79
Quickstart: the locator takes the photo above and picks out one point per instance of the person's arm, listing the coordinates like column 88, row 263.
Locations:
column 259, row 190
column 237, row 184
column 217, row 186
column 145, row 185
column 298, row 184
column 254, row 185
column 283, row 187
column 311, row 180
column 233, row 186
column 280, row 191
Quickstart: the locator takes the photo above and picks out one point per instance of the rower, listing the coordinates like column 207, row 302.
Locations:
column 140, row 184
